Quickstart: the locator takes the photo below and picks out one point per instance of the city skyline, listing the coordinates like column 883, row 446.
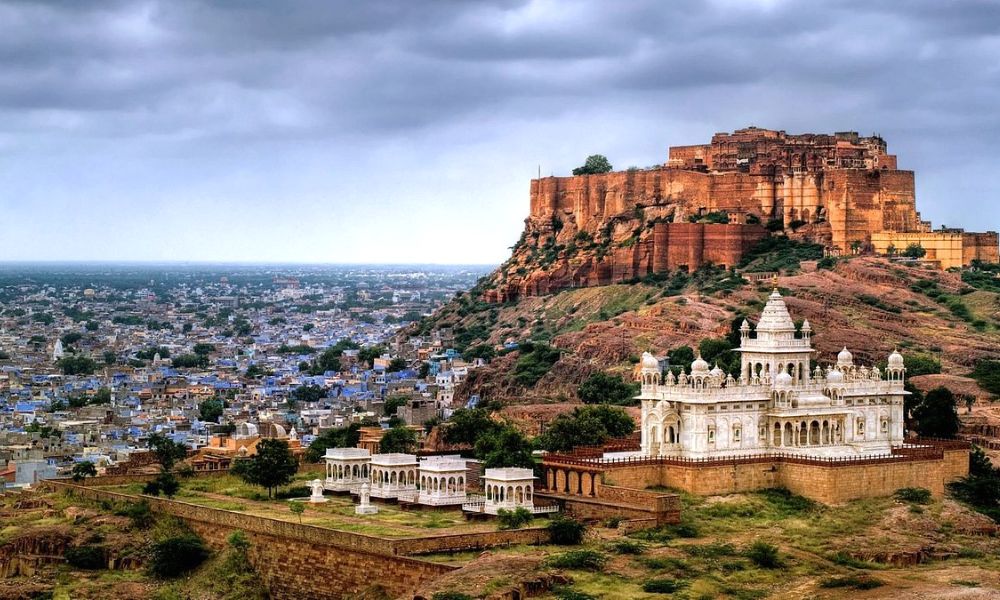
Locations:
column 335, row 133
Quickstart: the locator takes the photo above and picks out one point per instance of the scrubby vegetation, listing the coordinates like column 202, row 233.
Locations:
column 566, row 531
column 610, row 389
column 534, row 362
column 779, row 253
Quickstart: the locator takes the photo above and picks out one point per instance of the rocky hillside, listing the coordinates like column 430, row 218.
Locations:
column 867, row 304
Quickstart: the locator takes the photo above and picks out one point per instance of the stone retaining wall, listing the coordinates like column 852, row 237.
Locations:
column 304, row 561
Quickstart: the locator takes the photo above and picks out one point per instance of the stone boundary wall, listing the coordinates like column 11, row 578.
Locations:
column 320, row 535
column 611, row 501
column 532, row 536
column 297, row 561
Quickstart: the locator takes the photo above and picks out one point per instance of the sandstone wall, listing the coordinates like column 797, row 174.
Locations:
column 856, row 202
column 830, row 482
column 980, row 246
column 297, row 561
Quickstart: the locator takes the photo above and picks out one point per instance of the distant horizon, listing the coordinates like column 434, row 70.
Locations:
column 207, row 263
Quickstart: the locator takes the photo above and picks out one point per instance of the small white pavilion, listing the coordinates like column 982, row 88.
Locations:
column 393, row 474
column 508, row 488
column 346, row 469
column 442, row 481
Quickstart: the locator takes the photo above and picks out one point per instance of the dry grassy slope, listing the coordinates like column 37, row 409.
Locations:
column 601, row 328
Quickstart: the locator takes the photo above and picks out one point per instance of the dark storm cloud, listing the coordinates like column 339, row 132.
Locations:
column 357, row 66
column 201, row 75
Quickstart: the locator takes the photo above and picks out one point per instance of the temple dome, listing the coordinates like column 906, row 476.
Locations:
column 649, row 361
column 717, row 372
column 775, row 318
column 835, row 376
column 783, row 379
column 895, row 360
column 845, row 358
column 699, row 365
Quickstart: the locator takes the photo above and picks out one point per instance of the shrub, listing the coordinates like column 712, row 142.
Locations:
column 514, row 519
column 86, row 557
column 846, row 560
column 914, row 495
column 566, row 531
column 663, row 586
column 175, row 555
column 713, row 550
column 855, row 581
column 534, row 361
column 140, row 515
column 627, row 547
column 584, row 560
column 764, row 555
column 571, row 594
column 451, row 596
column 827, row 262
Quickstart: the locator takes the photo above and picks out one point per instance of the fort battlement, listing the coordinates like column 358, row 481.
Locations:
column 842, row 190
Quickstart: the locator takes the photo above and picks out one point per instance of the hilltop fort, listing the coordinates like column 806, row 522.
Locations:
column 712, row 202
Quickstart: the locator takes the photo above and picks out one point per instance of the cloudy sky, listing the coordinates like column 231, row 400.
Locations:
column 406, row 131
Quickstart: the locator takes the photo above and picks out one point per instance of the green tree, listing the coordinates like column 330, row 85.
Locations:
column 273, row 466
column 369, row 353
column 396, row 364
column 327, row 361
column 682, row 356
column 504, row 447
column 340, row 437
column 484, row 351
column 937, row 415
column 611, row 389
column 392, row 403
column 167, row 451
column 102, row 396
column 595, row 163
column 71, row 338
column 586, row 426
column 308, row 393
column 190, row 361
column 203, row 349
column 210, row 410
column 297, row 509
column 467, row 424
column 914, row 250
column 110, row 357
column 77, row 365
column 83, row 469
column 398, row 439
column 987, row 375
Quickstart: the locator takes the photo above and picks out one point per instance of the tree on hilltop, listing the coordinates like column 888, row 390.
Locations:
column 937, row 414
column 595, row 163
